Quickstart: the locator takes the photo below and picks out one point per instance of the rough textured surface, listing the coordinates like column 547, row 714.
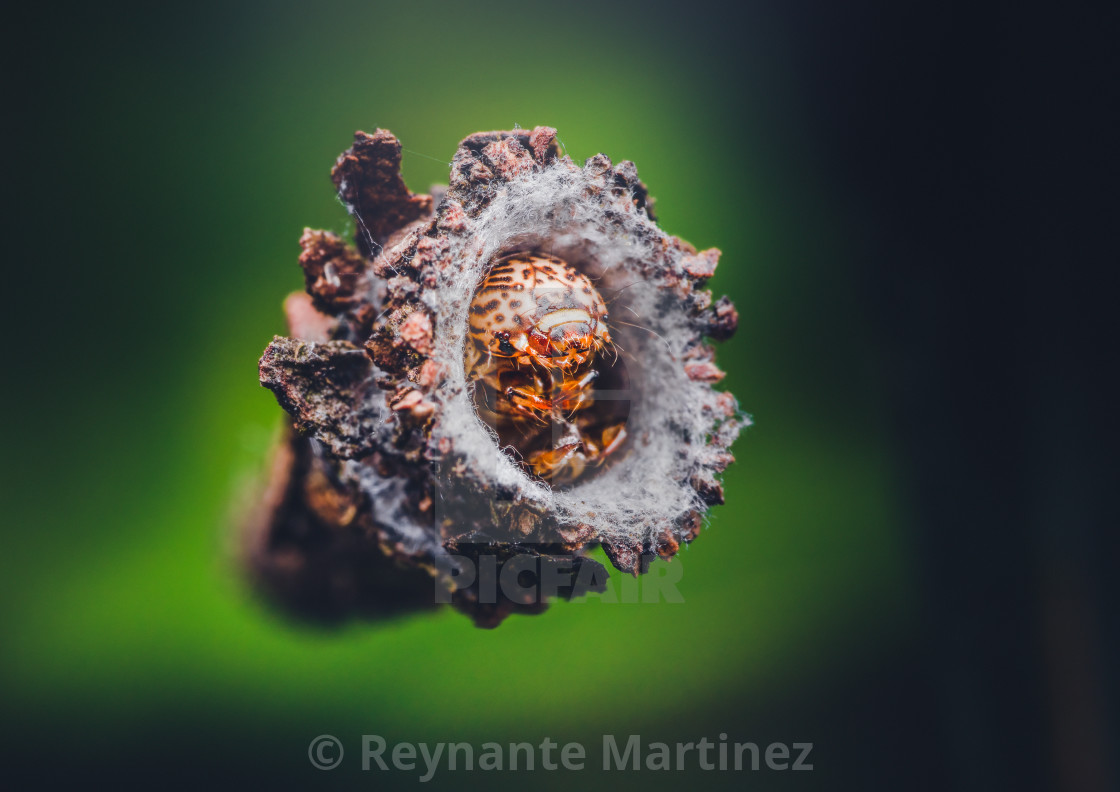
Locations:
column 368, row 179
column 328, row 388
column 386, row 400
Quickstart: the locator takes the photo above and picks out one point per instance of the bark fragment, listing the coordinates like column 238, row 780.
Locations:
column 324, row 386
column 368, row 179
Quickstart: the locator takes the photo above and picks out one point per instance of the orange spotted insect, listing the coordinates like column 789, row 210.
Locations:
column 539, row 333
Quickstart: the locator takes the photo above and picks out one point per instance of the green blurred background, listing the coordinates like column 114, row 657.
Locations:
column 177, row 157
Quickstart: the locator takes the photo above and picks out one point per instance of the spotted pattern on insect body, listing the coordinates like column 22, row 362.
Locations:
column 538, row 309
column 538, row 328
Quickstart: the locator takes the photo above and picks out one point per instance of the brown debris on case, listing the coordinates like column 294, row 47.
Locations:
column 324, row 386
column 337, row 275
column 368, row 179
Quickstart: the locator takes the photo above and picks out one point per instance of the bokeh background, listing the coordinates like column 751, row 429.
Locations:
column 913, row 570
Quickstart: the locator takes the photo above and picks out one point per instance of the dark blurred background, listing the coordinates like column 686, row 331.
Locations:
column 915, row 567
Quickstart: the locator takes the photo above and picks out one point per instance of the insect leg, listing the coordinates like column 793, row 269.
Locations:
column 575, row 390
column 612, row 438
